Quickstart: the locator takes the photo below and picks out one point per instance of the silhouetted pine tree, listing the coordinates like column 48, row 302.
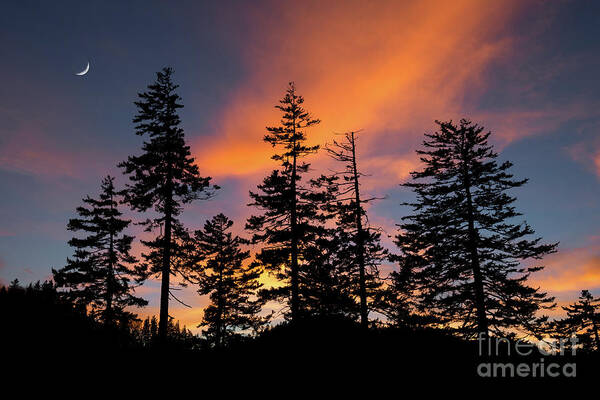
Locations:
column 583, row 320
column 39, row 323
column 287, row 222
column 163, row 177
column 146, row 334
column 395, row 300
column 232, row 286
column 153, row 328
column 181, row 337
column 326, row 287
column 360, row 252
column 102, row 275
column 462, row 228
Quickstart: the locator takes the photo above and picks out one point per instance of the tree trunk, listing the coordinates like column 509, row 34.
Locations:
column 477, row 276
column 360, row 247
column 163, row 323
column 596, row 333
column 110, row 278
column 218, row 336
column 295, row 306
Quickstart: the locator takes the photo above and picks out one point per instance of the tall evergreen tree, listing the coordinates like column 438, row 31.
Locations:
column 287, row 222
column 165, row 178
column 102, row 274
column 470, row 273
column 583, row 320
column 232, row 286
column 360, row 250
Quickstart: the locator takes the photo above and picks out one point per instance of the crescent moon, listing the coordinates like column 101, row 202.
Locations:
column 85, row 71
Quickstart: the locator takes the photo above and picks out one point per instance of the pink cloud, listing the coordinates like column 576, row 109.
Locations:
column 6, row 233
column 31, row 149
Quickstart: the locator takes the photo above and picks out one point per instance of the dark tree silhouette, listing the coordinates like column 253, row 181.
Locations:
column 583, row 320
column 40, row 324
column 164, row 177
column 397, row 299
column 232, row 286
column 360, row 250
column 285, row 225
column 462, row 229
column 326, row 286
column 102, row 273
column 146, row 334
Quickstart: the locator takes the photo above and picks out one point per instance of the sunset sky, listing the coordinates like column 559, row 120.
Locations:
column 526, row 70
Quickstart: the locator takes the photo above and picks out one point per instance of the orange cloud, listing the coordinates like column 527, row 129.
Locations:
column 571, row 269
column 387, row 68
column 383, row 67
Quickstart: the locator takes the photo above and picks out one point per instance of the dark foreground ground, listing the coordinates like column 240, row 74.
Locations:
column 41, row 338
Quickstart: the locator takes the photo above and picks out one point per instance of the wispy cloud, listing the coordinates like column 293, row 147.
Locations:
column 388, row 68
column 572, row 269
column 587, row 150
column 31, row 149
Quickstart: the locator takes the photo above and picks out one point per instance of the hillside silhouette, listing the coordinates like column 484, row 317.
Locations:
column 54, row 334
